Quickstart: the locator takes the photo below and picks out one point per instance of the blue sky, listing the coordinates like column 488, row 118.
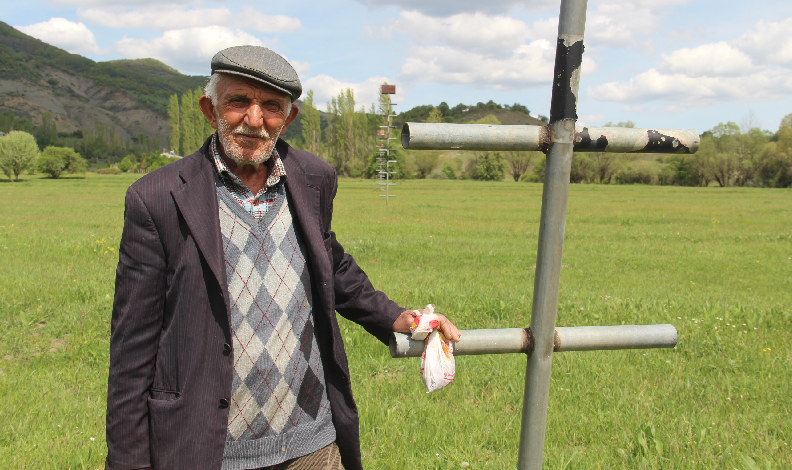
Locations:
column 660, row 63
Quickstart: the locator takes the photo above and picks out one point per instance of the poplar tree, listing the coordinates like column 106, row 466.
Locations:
column 311, row 122
column 187, row 132
column 173, row 120
column 204, row 129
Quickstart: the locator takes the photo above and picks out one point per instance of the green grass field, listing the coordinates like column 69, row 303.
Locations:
column 716, row 263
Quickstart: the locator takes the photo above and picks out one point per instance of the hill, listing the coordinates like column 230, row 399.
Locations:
column 515, row 114
column 130, row 95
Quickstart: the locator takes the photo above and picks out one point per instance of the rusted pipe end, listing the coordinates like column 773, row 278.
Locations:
column 556, row 341
column 528, row 342
column 544, row 136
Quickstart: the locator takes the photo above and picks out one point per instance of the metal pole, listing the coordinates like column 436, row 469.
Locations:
column 441, row 136
column 563, row 114
column 570, row 338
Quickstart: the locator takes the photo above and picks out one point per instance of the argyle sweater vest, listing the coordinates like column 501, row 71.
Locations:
column 279, row 408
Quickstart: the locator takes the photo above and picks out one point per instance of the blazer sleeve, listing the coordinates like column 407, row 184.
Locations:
column 135, row 328
column 355, row 297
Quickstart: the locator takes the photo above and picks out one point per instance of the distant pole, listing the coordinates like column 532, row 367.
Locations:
column 384, row 140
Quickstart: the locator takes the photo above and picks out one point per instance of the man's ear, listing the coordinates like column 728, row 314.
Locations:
column 295, row 110
column 208, row 110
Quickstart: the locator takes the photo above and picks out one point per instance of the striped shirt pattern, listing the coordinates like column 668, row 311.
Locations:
column 257, row 204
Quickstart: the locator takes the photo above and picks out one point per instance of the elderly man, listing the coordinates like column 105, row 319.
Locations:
column 225, row 350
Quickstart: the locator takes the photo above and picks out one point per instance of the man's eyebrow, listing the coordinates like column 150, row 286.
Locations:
column 237, row 97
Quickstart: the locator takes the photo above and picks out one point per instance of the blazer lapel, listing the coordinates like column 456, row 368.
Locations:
column 197, row 202
column 303, row 189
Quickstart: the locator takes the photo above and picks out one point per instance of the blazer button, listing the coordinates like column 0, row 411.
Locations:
column 223, row 403
column 226, row 349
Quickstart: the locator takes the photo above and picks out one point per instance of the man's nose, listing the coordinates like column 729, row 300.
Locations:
column 255, row 115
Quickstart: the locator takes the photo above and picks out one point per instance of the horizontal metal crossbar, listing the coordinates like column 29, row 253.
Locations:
column 574, row 338
column 442, row 136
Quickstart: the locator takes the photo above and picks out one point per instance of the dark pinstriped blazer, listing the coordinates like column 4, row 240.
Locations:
column 170, row 359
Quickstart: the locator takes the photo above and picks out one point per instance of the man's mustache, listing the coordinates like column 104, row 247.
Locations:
column 243, row 129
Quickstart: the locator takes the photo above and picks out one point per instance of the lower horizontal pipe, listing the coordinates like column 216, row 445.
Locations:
column 520, row 340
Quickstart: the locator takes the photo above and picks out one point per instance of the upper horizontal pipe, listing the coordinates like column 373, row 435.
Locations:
column 520, row 340
column 488, row 137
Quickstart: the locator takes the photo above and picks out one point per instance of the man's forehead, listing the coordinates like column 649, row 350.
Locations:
column 234, row 84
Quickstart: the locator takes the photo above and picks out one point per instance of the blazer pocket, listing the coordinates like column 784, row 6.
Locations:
column 163, row 395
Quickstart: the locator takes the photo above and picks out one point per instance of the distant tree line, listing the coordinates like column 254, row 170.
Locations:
column 100, row 146
column 448, row 114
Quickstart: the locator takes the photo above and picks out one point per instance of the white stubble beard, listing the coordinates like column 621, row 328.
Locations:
column 235, row 152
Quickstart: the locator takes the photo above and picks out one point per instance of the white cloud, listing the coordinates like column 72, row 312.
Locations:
column 586, row 119
column 125, row 3
column 528, row 65
column 450, row 7
column 503, row 53
column 687, row 92
column 621, row 22
column 326, row 87
column 715, row 59
column 770, row 43
column 189, row 50
column 475, row 32
column 60, row 32
column 302, row 68
column 753, row 67
column 170, row 17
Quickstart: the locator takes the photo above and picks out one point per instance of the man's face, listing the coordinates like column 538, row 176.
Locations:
column 249, row 117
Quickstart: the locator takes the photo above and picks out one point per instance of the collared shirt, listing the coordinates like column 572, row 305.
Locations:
column 257, row 204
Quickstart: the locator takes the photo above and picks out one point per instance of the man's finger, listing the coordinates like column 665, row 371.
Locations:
column 449, row 330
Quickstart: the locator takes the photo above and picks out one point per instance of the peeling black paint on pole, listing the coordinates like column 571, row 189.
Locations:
column 661, row 143
column 569, row 57
column 584, row 142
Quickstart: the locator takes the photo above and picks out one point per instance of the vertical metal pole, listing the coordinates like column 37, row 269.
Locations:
column 566, row 78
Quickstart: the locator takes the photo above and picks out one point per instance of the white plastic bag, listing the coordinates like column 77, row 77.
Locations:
column 437, row 362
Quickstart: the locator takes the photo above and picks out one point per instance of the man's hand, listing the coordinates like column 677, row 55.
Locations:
column 405, row 321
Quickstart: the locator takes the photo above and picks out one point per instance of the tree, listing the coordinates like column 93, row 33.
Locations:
column 18, row 151
column 46, row 134
column 349, row 134
column 187, row 132
column 734, row 156
column 311, row 122
column 54, row 161
column 173, row 120
column 435, row 115
column 519, row 162
column 202, row 127
column 490, row 166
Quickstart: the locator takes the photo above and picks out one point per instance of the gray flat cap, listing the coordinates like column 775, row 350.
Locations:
column 261, row 64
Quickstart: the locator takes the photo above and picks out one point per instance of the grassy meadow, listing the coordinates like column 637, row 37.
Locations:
column 716, row 263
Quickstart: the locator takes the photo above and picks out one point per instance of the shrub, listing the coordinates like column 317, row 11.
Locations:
column 18, row 151
column 54, row 161
column 160, row 161
column 110, row 170
column 127, row 163
column 448, row 171
column 490, row 166
column 641, row 172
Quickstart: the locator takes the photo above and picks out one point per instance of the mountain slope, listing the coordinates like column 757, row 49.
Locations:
column 130, row 95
